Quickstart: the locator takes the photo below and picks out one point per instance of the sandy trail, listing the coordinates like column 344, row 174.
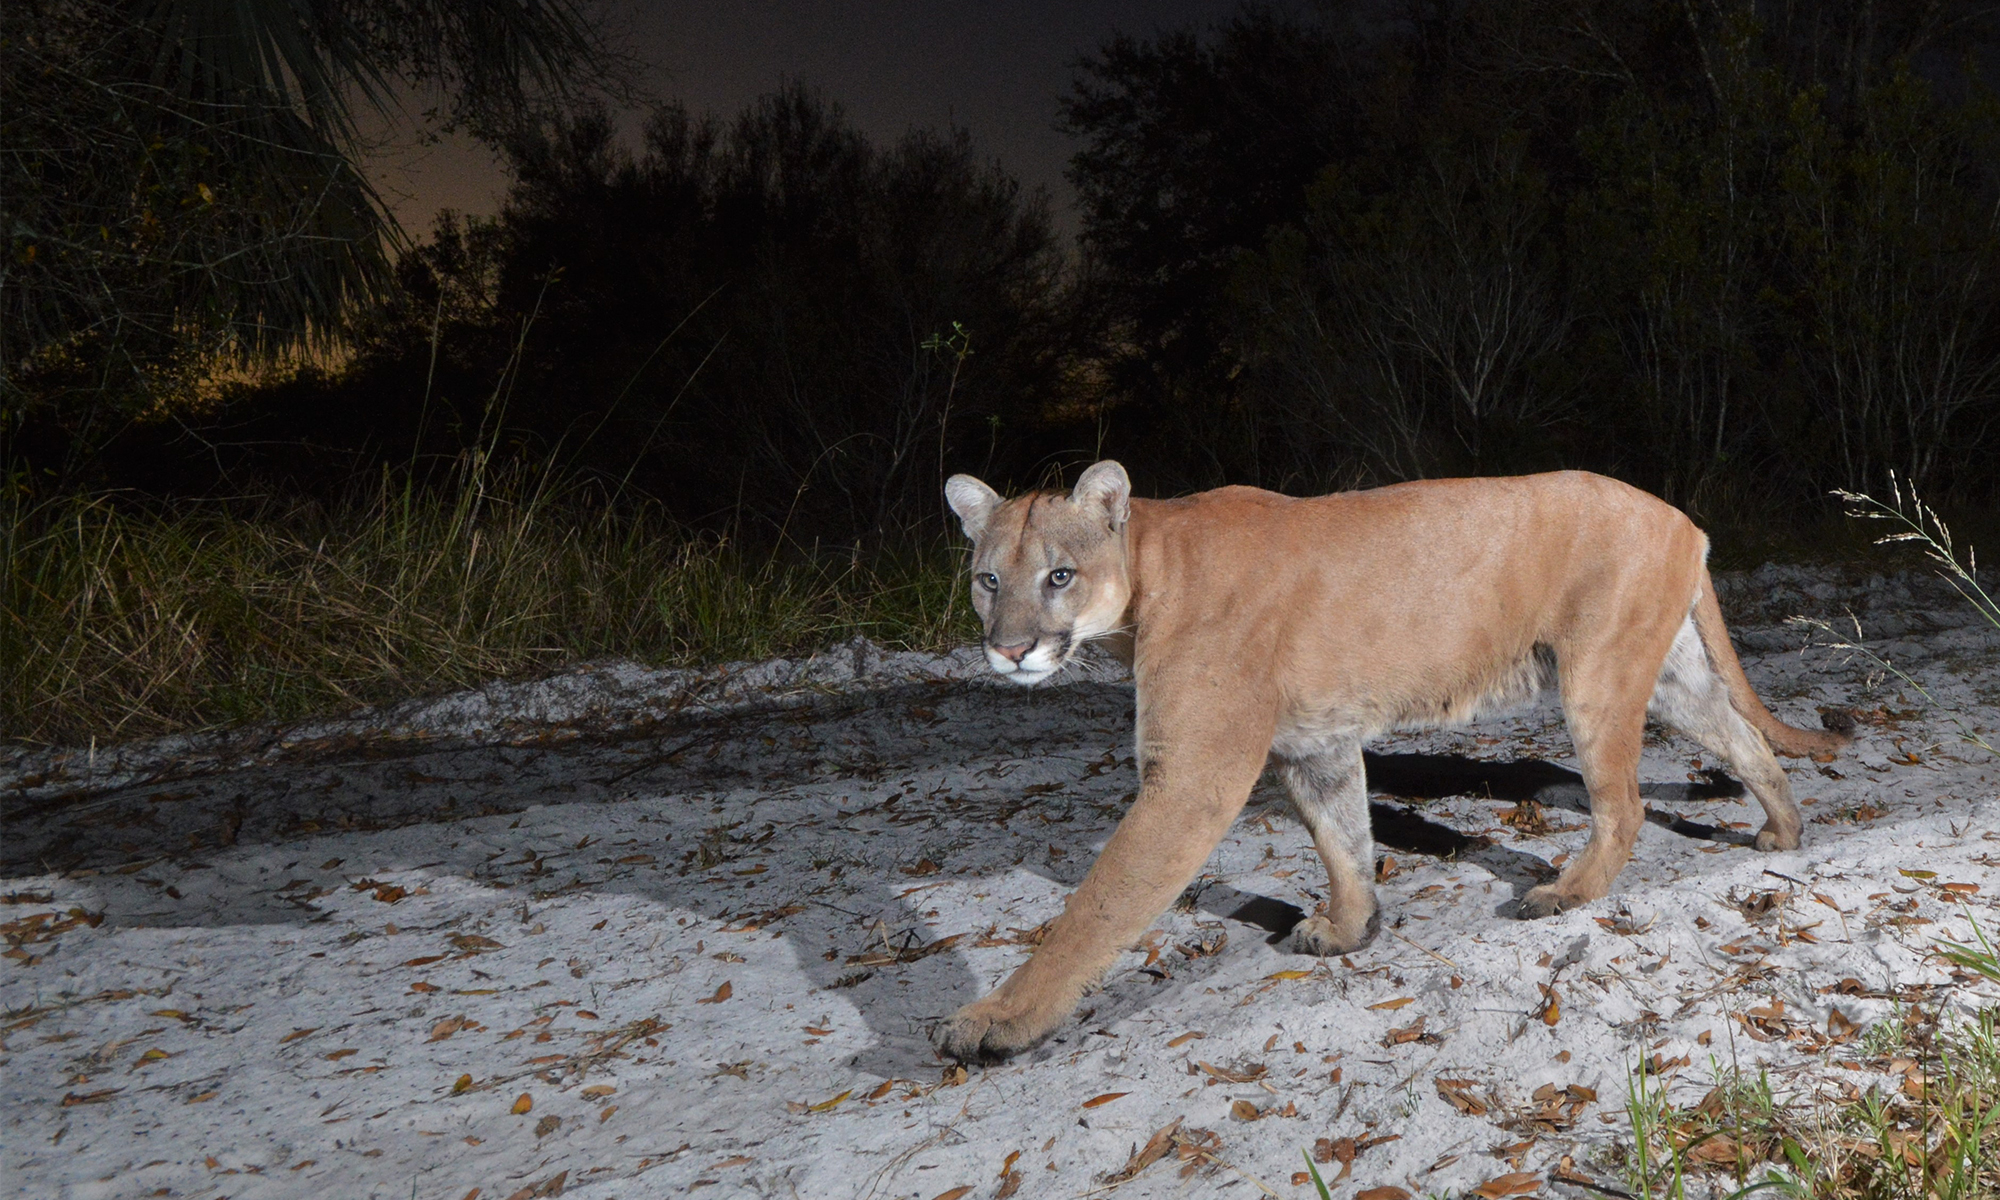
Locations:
column 702, row 923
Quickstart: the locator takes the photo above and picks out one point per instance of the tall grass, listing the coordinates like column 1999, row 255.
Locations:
column 119, row 620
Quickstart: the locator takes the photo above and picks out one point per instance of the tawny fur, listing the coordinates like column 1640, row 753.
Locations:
column 1260, row 626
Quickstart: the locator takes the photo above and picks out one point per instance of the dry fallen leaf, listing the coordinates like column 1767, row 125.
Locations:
column 1520, row 1183
column 1717, row 1150
column 598, row 1089
column 722, row 993
column 1247, row 1073
column 459, row 1087
column 1385, row 1192
column 1458, row 1092
column 1294, row 974
column 1157, row 1147
column 552, row 1186
column 953, row 1194
column 1106, row 1098
column 1243, row 1110
column 829, row 1105
column 1392, row 1005
column 1184, row 1039
column 1408, row 1033
column 547, row 1125
column 1340, row 1150
column 523, row 1104
column 296, row 1034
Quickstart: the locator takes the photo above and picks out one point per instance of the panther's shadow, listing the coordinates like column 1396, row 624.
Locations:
column 1435, row 776
column 1438, row 776
column 1400, row 828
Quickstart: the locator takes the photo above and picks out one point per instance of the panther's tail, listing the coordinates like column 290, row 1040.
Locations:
column 1785, row 739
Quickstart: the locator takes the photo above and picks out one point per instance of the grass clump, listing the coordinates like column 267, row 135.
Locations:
column 1932, row 1132
column 121, row 620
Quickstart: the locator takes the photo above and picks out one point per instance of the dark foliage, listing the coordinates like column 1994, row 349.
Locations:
column 180, row 186
column 770, row 325
column 1737, row 253
column 1194, row 147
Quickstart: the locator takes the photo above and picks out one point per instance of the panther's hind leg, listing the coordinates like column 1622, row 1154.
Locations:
column 1605, row 686
column 1330, row 791
column 1691, row 697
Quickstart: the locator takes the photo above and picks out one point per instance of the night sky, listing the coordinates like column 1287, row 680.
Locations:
column 995, row 68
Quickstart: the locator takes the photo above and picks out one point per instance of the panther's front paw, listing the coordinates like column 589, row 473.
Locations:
column 1325, row 937
column 1773, row 838
column 1546, row 901
column 986, row 1031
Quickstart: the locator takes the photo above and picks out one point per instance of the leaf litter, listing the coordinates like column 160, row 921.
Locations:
column 565, row 906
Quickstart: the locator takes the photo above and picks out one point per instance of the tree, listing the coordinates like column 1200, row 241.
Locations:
column 769, row 324
column 1194, row 144
column 742, row 313
column 181, row 186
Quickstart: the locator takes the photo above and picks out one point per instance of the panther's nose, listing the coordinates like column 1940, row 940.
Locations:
column 1014, row 653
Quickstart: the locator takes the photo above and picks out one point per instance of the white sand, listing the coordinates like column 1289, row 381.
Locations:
column 685, row 913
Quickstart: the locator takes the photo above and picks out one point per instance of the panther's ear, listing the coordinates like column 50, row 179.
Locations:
column 1105, row 486
column 973, row 501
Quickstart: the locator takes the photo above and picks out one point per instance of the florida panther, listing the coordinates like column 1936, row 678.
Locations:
column 1260, row 626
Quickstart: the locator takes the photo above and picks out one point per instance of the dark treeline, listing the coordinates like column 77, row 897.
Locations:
column 767, row 325
column 1735, row 253
column 751, row 322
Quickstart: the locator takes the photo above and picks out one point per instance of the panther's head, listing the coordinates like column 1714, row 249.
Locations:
column 1048, row 571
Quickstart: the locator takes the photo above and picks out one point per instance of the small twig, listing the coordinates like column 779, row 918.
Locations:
column 1434, row 954
column 1560, row 1176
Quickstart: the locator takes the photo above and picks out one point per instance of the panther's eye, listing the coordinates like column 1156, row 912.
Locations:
column 988, row 580
column 1060, row 577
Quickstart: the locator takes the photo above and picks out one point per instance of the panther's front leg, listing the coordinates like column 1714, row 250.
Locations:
column 1197, row 766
